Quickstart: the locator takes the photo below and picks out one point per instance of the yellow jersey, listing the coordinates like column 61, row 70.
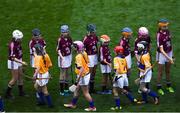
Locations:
column 146, row 60
column 120, row 65
column 81, row 60
column 42, row 64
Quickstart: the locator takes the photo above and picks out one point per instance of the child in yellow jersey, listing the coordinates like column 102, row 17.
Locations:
column 145, row 68
column 120, row 78
column 41, row 76
column 83, row 77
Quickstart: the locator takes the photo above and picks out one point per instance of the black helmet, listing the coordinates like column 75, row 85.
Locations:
column 36, row 32
column 91, row 28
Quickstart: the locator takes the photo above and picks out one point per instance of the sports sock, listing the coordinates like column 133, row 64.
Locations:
column 41, row 97
column 144, row 96
column 152, row 94
column 168, row 83
column 49, row 100
column 66, row 85
column 8, row 91
column 74, row 100
column 1, row 105
column 103, row 88
column 159, row 86
column 117, row 101
column 91, row 104
column 21, row 92
column 147, row 85
column 130, row 97
column 61, row 85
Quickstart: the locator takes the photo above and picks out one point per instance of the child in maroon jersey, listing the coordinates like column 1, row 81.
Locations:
column 36, row 39
column 105, row 60
column 164, row 55
column 15, row 64
column 124, row 42
column 64, row 45
column 143, row 37
column 90, row 43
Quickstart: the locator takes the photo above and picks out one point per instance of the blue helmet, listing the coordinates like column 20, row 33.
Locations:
column 64, row 29
column 36, row 32
column 163, row 20
column 126, row 29
column 91, row 28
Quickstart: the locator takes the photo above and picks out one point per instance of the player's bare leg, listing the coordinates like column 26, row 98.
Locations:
column 47, row 96
column 159, row 78
column 128, row 95
column 11, row 83
column 41, row 100
column 75, row 98
column 168, row 81
column 88, row 97
column 117, row 99
column 145, row 92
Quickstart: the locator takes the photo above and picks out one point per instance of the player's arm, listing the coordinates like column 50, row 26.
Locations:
column 49, row 61
column 165, row 54
column 19, row 61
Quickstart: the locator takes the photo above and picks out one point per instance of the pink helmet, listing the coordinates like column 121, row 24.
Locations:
column 78, row 45
column 143, row 31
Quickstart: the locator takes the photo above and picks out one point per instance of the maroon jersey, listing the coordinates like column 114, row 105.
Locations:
column 164, row 39
column 139, row 39
column 105, row 54
column 15, row 50
column 33, row 42
column 125, row 44
column 90, row 44
column 64, row 45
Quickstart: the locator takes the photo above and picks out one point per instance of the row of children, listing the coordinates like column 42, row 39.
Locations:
column 87, row 59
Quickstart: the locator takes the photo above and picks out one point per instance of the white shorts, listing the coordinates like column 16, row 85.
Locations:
column 13, row 64
column 32, row 61
column 105, row 68
column 161, row 58
column 42, row 82
column 84, row 81
column 65, row 62
column 121, row 82
column 93, row 60
column 129, row 61
column 147, row 77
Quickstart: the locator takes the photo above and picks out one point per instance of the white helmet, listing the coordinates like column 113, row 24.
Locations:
column 140, row 46
column 143, row 31
column 17, row 34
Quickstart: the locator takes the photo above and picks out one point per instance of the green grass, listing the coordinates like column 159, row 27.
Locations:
column 110, row 16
